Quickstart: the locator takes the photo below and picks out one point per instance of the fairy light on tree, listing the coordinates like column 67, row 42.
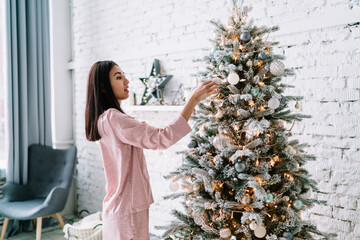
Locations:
column 246, row 176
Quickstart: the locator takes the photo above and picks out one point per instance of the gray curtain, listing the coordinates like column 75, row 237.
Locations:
column 29, row 98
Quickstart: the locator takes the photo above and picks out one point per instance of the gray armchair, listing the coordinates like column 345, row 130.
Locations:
column 49, row 181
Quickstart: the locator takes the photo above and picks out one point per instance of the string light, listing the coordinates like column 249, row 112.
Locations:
column 261, row 84
column 274, row 160
column 289, row 177
column 261, row 108
column 259, row 180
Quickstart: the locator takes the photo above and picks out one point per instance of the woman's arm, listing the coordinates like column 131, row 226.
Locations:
column 203, row 91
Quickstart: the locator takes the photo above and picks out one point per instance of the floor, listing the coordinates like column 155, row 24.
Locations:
column 47, row 234
column 53, row 232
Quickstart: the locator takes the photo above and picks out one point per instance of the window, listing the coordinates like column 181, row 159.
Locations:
column 3, row 66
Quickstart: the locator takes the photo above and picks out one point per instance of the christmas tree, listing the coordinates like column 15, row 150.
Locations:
column 243, row 177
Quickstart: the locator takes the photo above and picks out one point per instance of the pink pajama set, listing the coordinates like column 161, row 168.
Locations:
column 128, row 191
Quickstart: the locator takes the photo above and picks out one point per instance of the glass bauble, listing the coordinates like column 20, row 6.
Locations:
column 255, row 91
column 192, row 144
column 277, row 68
column 298, row 204
column 262, row 55
column 288, row 235
column 245, row 37
column 240, row 167
column 269, row 198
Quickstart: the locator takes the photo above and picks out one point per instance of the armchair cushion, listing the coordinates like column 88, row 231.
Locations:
column 21, row 210
column 16, row 192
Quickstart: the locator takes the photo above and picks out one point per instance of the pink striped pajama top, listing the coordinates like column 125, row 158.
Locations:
column 122, row 142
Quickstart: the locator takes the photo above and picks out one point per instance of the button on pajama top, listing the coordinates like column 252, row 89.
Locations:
column 122, row 142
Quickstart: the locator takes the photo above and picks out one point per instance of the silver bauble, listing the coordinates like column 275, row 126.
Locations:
column 298, row 204
column 277, row 68
column 262, row 55
column 240, row 167
column 245, row 37
column 288, row 235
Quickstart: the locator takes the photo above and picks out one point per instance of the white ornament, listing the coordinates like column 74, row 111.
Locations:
column 196, row 186
column 249, row 63
column 273, row 103
column 174, row 186
column 265, row 123
column 277, row 68
column 221, row 141
column 252, row 225
column 260, row 231
column 233, row 78
column 219, row 114
column 246, row 200
column 221, row 67
column 225, row 233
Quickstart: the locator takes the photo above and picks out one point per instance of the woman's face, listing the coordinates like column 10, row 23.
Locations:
column 119, row 83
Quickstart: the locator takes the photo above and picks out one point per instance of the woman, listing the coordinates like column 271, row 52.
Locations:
column 122, row 140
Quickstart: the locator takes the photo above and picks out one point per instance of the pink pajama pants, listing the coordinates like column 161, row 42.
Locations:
column 130, row 227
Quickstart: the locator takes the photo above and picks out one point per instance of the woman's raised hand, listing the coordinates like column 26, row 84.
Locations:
column 204, row 90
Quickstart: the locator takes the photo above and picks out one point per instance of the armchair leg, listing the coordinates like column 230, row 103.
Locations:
column 38, row 228
column 59, row 218
column 6, row 221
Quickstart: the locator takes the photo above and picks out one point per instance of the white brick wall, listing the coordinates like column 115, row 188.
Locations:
column 314, row 37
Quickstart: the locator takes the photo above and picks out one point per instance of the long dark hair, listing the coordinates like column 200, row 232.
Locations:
column 99, row 97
